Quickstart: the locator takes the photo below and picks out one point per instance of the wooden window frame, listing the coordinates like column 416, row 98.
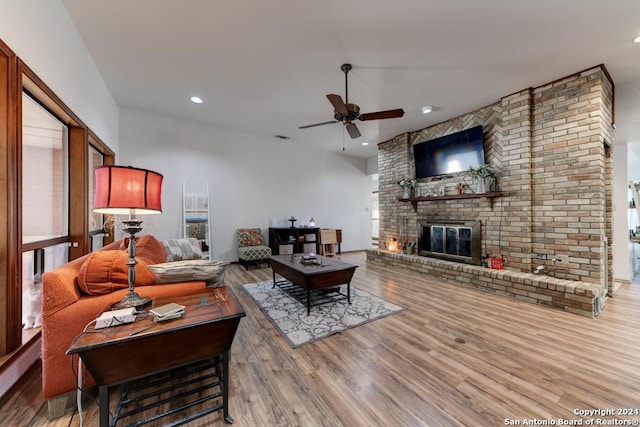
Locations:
column 16, row 77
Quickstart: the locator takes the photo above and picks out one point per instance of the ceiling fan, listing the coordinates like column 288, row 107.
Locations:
column 347, row 113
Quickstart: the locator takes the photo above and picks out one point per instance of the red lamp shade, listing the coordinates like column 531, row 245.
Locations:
column 125, row 190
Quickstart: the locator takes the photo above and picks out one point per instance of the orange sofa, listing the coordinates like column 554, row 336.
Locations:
column 67, row 307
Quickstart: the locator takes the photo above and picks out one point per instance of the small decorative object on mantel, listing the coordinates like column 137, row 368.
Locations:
column 485, row 176
column 292, row 220
column 312, row 222
column 407, row 184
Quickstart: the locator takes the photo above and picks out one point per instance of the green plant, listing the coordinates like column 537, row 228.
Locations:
column 407, row 182
column 484, row 171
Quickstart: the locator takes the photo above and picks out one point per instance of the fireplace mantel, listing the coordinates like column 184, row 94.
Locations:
column 415, row 200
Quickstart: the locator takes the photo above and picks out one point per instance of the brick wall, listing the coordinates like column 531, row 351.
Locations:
column 550, row 143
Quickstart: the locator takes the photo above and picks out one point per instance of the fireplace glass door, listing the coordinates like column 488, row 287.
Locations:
column 456, row 242
column 464, row 241
column 452, row 241
column 437, row 239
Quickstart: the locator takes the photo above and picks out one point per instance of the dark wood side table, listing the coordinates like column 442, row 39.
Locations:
column 120, row 354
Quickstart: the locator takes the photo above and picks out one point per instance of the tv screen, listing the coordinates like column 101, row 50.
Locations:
column 449, row 154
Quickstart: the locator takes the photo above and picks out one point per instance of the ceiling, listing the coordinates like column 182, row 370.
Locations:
column 265, row 67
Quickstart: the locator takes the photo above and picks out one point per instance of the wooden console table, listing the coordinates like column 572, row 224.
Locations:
column 137, row 350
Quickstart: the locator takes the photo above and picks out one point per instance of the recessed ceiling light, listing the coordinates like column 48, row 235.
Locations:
column 426, row 109
column 636, row 40
column 365, row 143
column 196, row 100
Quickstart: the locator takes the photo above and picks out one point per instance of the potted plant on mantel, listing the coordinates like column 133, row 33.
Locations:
column 407, row 184
column 485, row 176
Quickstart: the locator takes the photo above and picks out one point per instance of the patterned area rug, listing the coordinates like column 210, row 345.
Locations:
column 289, row 316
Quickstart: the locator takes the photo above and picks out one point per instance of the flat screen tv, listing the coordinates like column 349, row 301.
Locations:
column 449, row 154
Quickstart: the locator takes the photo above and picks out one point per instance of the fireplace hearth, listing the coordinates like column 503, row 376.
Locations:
column 452, row 240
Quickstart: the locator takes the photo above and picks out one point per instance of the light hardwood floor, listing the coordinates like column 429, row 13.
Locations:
column 455, row 357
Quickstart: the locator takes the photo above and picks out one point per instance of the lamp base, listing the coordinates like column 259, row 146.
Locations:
column 132, row 299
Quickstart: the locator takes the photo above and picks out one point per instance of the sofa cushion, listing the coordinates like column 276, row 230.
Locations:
column 181, row 249
column 104, row 272
column 211, row 271
column 148, row 248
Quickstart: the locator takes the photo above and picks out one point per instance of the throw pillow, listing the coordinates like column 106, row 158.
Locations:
column 250, row 237
column 147, row 248
column 210, row 271
column 106, row 271
column 181, row 249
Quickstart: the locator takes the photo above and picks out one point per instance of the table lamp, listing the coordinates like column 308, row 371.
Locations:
column 125, row 190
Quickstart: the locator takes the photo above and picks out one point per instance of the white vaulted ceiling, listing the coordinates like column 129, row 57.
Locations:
column 265, row 67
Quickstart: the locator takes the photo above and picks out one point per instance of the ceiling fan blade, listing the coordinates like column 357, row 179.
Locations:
column 353, row 130
column 318, row 124
column 338, row 104
column 389, row 114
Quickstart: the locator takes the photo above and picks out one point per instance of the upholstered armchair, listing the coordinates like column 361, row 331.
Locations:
column 251, row 247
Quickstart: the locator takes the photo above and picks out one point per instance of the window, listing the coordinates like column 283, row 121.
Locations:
column 45, row 174
column 45, row 202
column 96, row 220
column 45, row 169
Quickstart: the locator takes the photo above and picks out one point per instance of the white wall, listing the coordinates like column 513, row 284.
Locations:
column 626, row 254
column 632, row 218
column 621, row 247
column 42, row 34
column 254, row 181
column 372, row 165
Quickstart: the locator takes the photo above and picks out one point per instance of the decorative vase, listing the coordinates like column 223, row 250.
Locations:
column 408, row 248
column 406, row 192
column 484, row 184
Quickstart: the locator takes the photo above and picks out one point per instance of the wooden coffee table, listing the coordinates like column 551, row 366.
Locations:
column 120, row 354
column 327, row 274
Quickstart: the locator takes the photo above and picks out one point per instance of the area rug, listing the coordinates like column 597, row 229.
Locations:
column 290, row 318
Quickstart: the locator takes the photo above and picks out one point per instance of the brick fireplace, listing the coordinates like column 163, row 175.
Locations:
column 552, row 144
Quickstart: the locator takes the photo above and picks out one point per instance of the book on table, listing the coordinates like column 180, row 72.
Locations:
column 167, row 311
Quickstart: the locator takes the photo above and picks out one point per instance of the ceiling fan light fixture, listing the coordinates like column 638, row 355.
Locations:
column 427, row 109
column 346, row 112
column 196, row 100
